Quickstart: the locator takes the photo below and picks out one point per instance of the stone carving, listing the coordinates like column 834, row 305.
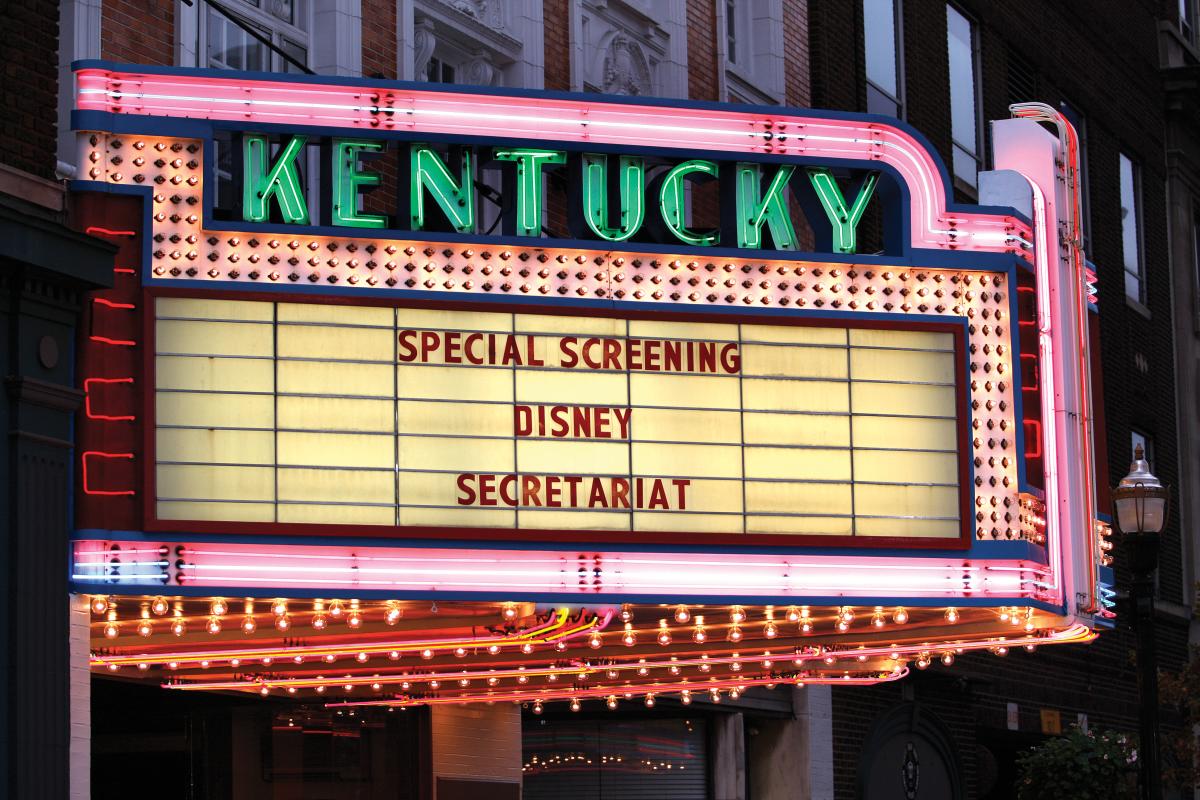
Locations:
column 489, row 12
column 626, row 70
column 480, row 70
column 424, row 42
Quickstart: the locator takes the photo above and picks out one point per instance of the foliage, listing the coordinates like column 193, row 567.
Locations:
column 1181, row 691
column 1081, row 766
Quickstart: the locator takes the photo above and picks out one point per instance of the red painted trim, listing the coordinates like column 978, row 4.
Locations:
column 966, row 488
column 84, row 470
column 87, row 400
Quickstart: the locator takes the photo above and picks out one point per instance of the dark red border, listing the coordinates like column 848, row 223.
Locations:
column 149, row 495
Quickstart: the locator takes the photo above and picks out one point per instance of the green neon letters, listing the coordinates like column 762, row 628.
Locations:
column 347, row 181
column 529, row 163
column 595, row 196
column 262, row 181
column 844, row 221
column 672, row 203
column 456, row 198
column 756, row 207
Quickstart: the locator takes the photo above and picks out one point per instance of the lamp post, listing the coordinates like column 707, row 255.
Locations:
column 1140, row 504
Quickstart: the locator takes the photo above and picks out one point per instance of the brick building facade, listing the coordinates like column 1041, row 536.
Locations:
column 1103, row 63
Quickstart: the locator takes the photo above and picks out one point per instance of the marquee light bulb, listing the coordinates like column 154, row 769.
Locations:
column 575, row 705
column 427, row 654
column 737, row 615
column 537, row 706
column 770, row 630
column 527, row 648
column 923, row 661
column 649, row 701
column 595, row 640
column 319, row 622
column 160, row 606
column 734, row 694
column 947, row 658
column 248, row 624
column 560, row 646
column 1001, row 651
column 213, row 626
column 1029, row 648
column 952, row 615
column 611, row 702
column 878, row 620
column 145, row 628
column 843, row 626
column 393, row 614
column 735, row 633
column 901, row 616
column 279, row 607
column 716, row 695
column 685, row 697
column 178, row 626
column 394, row 655
column 143, row 666
column 336, row 609
column 682, row 615
column 111, row 630
column 664, row 633
column 219, row 607
column 283, row 622
column 460, row 652
column 846, row 613
column 626, row 613
column 699, row 636
column 362, row 658
column 793, row 614
column 99, row 604
column 509, row 612
column 628, row 638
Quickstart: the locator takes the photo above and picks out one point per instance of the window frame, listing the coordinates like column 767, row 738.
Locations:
column 280, row 31
column 1139, row 233
column 901, row 100
column 976, row 154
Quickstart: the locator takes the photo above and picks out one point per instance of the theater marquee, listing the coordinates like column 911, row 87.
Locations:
column 377, row 337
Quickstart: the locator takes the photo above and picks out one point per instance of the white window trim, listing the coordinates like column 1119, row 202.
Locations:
column 517, row 53
column 1139, row 302
column 977, row 91
column 901, row 83
column 752, row 85
column 79, row 38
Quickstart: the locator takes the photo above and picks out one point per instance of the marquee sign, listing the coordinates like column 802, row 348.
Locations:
column 314, row 347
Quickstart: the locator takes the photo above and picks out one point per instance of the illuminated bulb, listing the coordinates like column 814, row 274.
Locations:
column 460, row 652
column 362, row 658
column 537, row 706
column 463, row 682
column 951, row 615
column 901, row 616
column 493, row 649
column 806, row 626
column 612, row 674
column 877, row 619
column 178, row 627
column 291, row 690
column 158, row 605
column 492, row 680
column 283, row 622
column 1004, row 614
column 426, row 654
column 628, row 638
column 1029, row 626
column 704, row 665
column 145, row 628
column 664, row 633
column 213, row 626
column 219, row 607
column 716, row 695
column 734, row 694
column 336, row 609
column 685, row 697
column 793, row 614
column 264, row 691
column 682, row 615
column 100, row 604
column 248, row 624
column 642, row 671
column 522, row 679
column 319, row 622
column 111, row 630
column 279, row 608
column 673, row 669
column 509, row 612
column 923, row 661
column 947, row 658
column 172, row 665
column 266, row 662
column 843, row 626
column 770, row 630
column 354, row 620
column 204, row 664
column 1029, row 648
column 560, row 646
column 626, row 613
column 394, row 655
column 527, row 648
column 847, row 614
column 698, row 635
column 234, row 662
column 595, row 640
column 611, row 702
column 1001, row 651
column 143, row 667
column 575, row 704
column 113, row 667
column 737, row 615
column 393, row 614
column 329, row 658
column 320, row 690
column 735, row 633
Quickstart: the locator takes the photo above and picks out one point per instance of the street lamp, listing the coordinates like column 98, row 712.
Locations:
column 1140, row 505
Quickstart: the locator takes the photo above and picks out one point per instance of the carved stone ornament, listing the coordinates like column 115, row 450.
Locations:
column 480, row 70
column 489, row 12
column 424, row 42
column 626, row 70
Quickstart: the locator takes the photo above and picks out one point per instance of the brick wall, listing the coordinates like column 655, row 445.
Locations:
column 29, row 90
column 138, row 31
column 379, row 38
column 795, row 53
column 557, row 44
column 702, row 50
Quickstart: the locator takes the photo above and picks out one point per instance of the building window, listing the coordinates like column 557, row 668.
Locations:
column 964, row 96
column 1131, row 230
column 753, row 51
column 882, row 42
column 227, row 45
column 1187, row 20
column 439, row 71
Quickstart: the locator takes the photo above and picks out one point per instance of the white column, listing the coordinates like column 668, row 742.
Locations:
column 78, row 38
column 476, row 743
column 336, row 37
column 813, row 708
column 79, row 651
column 728, row 757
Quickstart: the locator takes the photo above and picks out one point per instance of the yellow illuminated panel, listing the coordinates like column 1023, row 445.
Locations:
column 344, row 415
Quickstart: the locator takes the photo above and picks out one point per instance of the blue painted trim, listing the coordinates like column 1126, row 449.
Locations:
column 549, row 598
